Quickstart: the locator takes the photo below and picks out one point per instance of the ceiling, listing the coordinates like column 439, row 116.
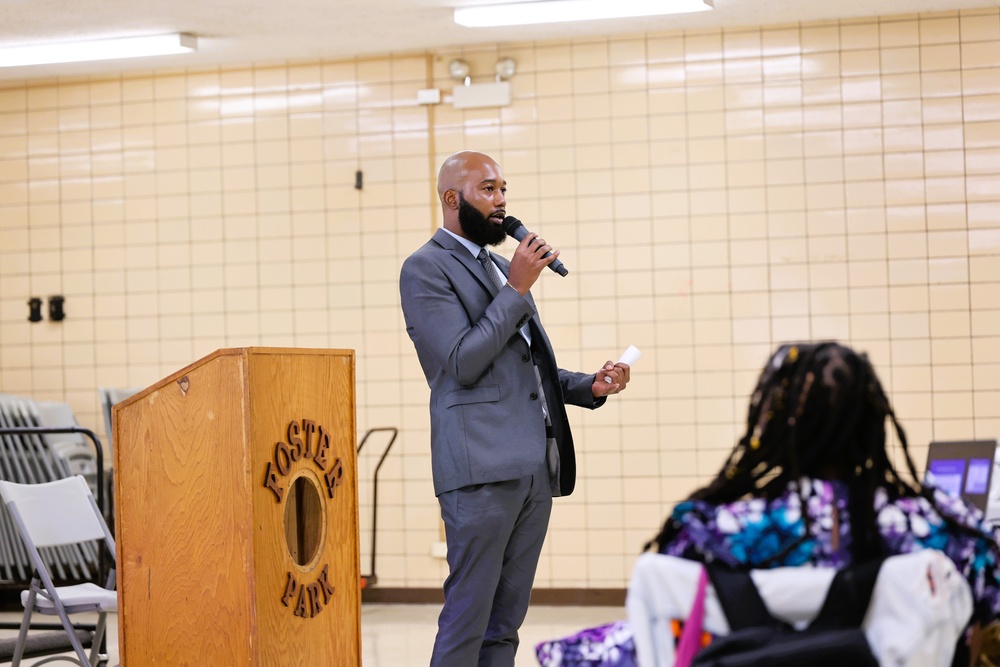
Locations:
column 244, row 31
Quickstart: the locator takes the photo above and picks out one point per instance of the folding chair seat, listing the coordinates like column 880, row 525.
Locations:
column 60, row 514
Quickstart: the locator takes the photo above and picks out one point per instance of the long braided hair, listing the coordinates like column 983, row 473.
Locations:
column 818, row 411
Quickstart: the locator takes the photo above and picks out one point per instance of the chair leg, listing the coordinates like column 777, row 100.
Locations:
column 22, row 636
column 68, row 626
column 95, row 648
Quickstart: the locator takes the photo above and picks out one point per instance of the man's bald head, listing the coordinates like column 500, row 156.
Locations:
column 456, row 170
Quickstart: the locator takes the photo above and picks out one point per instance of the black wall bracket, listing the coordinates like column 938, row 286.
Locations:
column 56, row 312
column 34, row 309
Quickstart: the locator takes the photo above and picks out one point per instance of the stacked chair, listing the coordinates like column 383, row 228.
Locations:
column 54, row 540
column 109, row 397
column 36, row 458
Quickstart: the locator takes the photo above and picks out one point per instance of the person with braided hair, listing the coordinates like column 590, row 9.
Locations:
column 812, row 482
column 816, row 439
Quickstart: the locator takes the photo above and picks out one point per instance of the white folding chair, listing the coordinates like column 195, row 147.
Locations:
column 60, row 513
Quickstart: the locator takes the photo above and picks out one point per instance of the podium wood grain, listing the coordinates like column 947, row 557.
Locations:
column 205, row 570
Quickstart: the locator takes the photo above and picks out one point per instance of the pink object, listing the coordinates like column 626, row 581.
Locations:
column 690, row 641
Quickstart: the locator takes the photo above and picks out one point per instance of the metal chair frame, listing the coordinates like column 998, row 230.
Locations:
column 35, row 510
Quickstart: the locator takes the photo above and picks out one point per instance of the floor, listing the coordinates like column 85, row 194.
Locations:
column 402, row 635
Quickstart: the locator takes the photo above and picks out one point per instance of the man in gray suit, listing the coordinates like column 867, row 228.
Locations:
column 501, row 446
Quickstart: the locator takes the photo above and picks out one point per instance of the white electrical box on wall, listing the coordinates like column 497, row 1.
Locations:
column 479, row 95
column 428, row 96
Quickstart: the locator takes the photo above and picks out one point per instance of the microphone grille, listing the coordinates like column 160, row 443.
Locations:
column 509, row 224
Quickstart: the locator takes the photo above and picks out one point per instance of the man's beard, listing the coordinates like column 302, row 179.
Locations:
column 477, row 227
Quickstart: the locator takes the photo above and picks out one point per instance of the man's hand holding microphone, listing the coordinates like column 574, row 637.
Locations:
column 530, row 257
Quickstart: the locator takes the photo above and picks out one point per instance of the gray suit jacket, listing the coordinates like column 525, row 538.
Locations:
column 486, row 421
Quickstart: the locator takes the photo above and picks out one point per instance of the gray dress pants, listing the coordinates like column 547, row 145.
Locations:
column 494, row 534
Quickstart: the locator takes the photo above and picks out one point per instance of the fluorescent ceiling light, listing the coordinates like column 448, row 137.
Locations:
column 559, row 11
column 97, row 49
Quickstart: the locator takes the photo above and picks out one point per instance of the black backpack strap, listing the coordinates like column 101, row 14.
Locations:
column 847, row 600
column 739, row 598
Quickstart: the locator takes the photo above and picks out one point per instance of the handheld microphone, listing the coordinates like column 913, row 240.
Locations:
column 515, row 229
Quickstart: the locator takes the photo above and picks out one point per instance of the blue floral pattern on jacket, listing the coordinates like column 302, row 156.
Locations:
column 757, row 532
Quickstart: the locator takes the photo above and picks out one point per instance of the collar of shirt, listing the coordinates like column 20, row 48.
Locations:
column 469, row 245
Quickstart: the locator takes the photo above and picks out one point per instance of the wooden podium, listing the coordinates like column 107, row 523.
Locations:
column 236, row 513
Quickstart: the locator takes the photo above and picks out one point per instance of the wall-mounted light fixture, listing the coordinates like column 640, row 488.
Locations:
column 459, row 70
column 97, row 49
column 506, row 68
column 470, row 95
column 561, row 11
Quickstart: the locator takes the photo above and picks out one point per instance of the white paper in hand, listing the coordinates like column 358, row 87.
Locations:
column 629, row 357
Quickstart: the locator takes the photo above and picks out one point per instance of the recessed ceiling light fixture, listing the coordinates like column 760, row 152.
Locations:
column 97, row 49
column 559, row 11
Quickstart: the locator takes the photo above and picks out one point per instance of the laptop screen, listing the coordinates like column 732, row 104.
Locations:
column 963, row 468
column 977, row 480
column 947, row 474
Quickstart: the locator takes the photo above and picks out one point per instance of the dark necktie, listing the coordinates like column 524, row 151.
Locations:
column 499, row 281
column 491, row 270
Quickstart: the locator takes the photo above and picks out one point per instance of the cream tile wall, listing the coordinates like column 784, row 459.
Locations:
column 713, row 193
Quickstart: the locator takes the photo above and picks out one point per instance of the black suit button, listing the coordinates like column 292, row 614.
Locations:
column 525, row 358
column 533, row 396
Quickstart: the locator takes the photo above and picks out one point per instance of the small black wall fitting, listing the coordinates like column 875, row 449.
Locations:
column 34, row 309
column 56, row 312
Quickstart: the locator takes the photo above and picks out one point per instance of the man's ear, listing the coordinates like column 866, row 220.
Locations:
column 450, row 199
